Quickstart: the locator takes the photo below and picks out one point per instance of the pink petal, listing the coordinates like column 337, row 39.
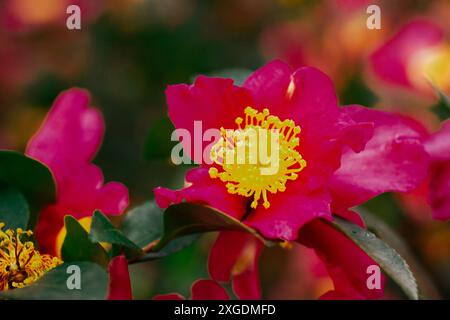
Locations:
column 269, row 86
column 289, row 211
column 308, row 97
column 303, row 96
column 313, row 99
column 67, row 142
column 208, row 290
column 247, row 285
column 440, row 191
column 119, row 280
column 235, row 256
column 51, row 220
column 203, row 190
column 354, row 134
column 70, row 135
column 216, row 102
column 313, row 105
column 346, row 263
column 438, row 144
column 393, row 160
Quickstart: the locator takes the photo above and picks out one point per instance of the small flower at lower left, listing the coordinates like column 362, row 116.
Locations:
column 20, row 263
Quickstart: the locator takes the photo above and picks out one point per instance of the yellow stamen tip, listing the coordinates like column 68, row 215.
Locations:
column 213, row 172
column 286, row 245
column 238, row 155
column 20, row 263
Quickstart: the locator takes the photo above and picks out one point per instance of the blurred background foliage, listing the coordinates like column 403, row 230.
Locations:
column 128, row 51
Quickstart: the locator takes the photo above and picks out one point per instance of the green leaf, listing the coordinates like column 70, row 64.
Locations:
column 388, row 235
column 102, row 230
column 357, row 92
column 388, row 259
column 33, row 179
column 53, row 285
column 442, row 108
column 14, row 211
column 158, row 144
column 78, row 247
column 188, row 218
column 144, row 225
column 172, row 247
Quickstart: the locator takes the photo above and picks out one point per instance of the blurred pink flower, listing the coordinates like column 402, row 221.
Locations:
column 416, row 54
column 67, row 142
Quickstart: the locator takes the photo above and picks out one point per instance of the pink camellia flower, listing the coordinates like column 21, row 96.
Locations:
column 67, row 142
column 203, row 289
column 414, row 56
column 323, row 164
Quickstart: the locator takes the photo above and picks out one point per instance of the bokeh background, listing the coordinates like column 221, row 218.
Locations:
column 128, row 51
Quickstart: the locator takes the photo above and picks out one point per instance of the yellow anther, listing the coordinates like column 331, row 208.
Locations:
column 248, row 168
column 20, row 263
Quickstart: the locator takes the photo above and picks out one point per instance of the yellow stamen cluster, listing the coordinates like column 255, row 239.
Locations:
column 20, row 263
column 239, row 155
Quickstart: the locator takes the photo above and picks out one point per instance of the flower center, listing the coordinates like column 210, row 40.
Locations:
column 259, row 156
column 20, row 263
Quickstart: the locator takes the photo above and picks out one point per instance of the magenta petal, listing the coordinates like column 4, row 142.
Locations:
column 119, row 280
column 235, row 256
column 208, row 290
column 70, row 135
column 67, row 142
column 247, row 285
column 203, row 190
column 354, row 134
column 393, row 160
column 289, row 211
column 440, row 191
column 224, row 254
column 313, row 105
column 216, row 102
column 390, row 62
column 306, row 96
column 313, row 100
column 269, row 86
column 438, row 144
column 346, row 263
